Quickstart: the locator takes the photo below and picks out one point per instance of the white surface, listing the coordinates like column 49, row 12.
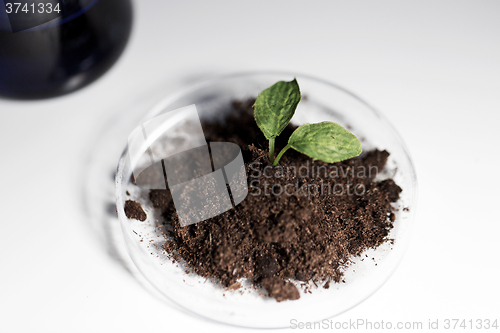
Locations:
column 433, row 67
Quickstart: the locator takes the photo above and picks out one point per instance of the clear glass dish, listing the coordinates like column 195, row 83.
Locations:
column 324, row 101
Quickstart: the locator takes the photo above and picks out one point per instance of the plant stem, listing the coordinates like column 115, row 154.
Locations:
column 271, row 150
column 281, row 154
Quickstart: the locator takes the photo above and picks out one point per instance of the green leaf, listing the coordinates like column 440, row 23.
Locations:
column 275, row 106
column 326, row 141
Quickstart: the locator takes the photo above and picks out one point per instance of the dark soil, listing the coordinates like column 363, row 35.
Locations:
column 134, row 210
column 272, row 237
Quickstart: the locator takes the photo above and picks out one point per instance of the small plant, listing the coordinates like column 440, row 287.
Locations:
column 325, row 141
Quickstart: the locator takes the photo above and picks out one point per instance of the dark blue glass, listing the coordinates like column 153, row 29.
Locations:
column 49, row 54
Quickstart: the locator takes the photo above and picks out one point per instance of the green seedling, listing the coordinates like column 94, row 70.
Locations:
column 325, row 141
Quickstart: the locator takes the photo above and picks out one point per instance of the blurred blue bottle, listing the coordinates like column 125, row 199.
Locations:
column 52, row 47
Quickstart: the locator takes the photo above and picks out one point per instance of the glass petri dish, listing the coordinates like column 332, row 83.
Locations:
column 324, row 102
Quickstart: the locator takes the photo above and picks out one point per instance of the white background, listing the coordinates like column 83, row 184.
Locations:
column 432, row 67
